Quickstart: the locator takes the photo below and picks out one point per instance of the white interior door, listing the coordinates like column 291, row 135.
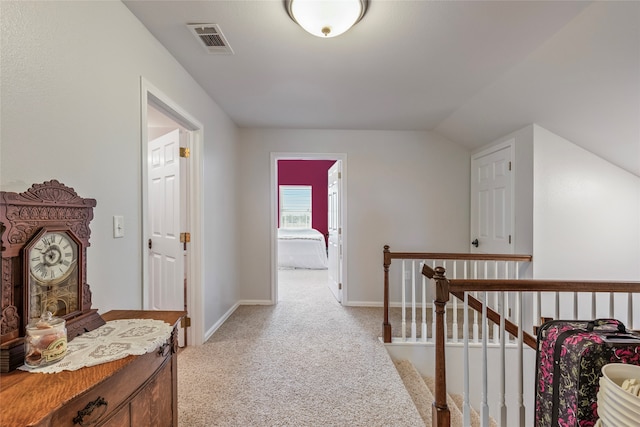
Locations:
column 492, row 201
column 166, row 252
column 334, row 176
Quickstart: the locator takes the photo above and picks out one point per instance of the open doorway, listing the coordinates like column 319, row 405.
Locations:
column 171, row 220
column 308, row 237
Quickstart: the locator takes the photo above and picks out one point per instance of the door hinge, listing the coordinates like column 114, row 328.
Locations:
column 339, row 175
column 339, row 286
column 340, row 230
column 184, row 239
column 509, row 238
column 509, row 165
column 186, row 322
column 185, row 152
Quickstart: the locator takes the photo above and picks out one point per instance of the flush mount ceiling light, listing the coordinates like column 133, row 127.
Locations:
column 326, row 18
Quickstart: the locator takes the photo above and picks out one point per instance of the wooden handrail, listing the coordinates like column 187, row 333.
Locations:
column 456, row 256
column 529, row 285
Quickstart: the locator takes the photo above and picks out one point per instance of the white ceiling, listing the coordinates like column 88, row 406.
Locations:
column 470, row 71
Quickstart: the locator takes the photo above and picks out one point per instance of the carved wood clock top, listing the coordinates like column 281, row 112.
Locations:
column 44, row 241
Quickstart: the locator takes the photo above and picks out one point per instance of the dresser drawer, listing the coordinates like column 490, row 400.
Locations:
column 103, row 401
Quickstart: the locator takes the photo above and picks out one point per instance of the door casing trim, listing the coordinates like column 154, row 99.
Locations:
column 149, row 94
column 275, row 156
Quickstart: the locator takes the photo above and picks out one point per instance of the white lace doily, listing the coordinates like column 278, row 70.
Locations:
column 112, row 341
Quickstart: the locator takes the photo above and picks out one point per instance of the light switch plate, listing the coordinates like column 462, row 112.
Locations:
column 118, row 226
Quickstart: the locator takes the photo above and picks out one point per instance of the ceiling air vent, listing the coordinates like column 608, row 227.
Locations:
column 211, row 38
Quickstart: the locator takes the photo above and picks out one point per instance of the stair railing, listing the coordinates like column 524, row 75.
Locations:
column 465, row 266
column 462, row 265
column 513, row 311
column 462, row 287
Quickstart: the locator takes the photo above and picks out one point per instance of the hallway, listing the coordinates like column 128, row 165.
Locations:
column 307, row 361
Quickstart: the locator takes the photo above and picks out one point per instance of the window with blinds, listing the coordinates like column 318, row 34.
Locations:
column 295, row 206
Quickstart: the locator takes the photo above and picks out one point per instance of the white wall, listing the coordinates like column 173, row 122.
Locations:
column 585, row 214
column 71, row 111
column 409, row 190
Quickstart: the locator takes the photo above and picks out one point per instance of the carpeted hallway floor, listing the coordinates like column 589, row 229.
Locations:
column 306, row 361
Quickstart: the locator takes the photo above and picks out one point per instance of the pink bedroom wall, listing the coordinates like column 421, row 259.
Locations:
column 313, row 173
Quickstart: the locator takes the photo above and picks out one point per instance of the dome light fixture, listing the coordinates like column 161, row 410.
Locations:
column 326, row 18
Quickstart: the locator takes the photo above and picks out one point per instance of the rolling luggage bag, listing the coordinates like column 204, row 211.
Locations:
column 569, row 359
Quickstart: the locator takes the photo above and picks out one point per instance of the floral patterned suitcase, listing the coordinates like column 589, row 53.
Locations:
column 569, row 359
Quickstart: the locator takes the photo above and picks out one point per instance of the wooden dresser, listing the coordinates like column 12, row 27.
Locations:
column 135, row 391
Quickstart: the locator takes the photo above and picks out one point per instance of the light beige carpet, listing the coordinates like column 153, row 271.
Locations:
column 307, row 361
column 421, row 390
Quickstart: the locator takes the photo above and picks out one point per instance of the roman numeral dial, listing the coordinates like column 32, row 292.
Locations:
column 52, row 258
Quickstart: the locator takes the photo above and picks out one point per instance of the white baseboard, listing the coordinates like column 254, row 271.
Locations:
column 374, row 304
column 229, row 312
column 362, row 303
column 255, row 302
column 220, row 321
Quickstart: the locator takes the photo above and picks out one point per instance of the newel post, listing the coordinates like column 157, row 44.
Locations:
column 440, row 411
column 386, row 326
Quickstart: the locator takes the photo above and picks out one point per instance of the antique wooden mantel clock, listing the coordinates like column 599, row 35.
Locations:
column 45, row 235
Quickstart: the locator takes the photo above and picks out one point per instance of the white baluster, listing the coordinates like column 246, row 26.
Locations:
column 507, row 305
column 630, row 311
column 423, row 333
column 433, row 308
column 503, row 366
column 404, row 302
column 446, row 332
column 414, row 333
column 475, row 313
column 521, row 408
column 454, row 312
column 484, row 411
column 537, row 312
column 611, row 306
column 496, row 328
column 466, row 405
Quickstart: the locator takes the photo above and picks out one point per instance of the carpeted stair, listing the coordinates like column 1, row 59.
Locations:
column 421, row 390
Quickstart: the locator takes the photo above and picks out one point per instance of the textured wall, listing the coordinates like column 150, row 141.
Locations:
column 71, row 111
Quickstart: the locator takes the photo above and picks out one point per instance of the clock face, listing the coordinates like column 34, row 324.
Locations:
column 52, row 258
column 53, row 275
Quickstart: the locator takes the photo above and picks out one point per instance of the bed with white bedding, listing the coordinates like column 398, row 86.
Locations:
column 301, row 248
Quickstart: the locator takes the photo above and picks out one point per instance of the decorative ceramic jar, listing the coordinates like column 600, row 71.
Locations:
column 46, row 340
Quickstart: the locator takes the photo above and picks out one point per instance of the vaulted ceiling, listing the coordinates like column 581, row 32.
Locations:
column 470, row 71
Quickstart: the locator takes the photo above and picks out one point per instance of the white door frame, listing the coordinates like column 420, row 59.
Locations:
column 274, row 215
column 510, row 143
column 149, row 94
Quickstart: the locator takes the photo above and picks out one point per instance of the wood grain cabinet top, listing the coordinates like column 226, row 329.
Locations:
column 136, row 390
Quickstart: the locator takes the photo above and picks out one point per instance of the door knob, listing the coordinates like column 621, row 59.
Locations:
column 475, row 243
